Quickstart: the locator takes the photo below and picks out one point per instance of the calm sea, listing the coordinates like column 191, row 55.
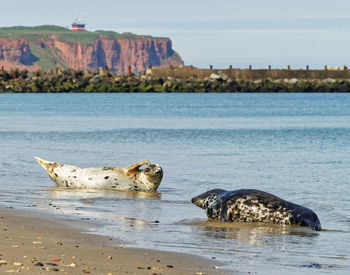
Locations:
column 296, row 146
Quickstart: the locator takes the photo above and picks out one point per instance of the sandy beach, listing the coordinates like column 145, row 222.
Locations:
column 33, row 244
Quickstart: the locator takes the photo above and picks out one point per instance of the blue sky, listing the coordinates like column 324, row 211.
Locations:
column 219, row 33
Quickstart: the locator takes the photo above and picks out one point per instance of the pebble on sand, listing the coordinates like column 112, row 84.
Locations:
column 2, row 262
column 52, row 264
column 51, row 268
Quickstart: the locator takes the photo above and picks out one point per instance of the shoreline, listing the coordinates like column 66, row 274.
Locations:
column 33, row 244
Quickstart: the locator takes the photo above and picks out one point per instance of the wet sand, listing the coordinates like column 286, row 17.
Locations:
column 32, row 244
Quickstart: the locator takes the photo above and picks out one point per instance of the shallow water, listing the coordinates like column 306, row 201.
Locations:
column 296, row 146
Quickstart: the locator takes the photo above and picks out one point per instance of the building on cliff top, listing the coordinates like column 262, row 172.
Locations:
column 77, row 25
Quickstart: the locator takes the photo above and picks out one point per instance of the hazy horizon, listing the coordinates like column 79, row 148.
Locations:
column 238, row 33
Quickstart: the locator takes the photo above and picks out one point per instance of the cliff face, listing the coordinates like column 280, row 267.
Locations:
column 37, row 47
column 117, row 54
column 16, row 52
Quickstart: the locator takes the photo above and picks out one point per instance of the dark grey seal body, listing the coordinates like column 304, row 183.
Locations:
column 250, row 205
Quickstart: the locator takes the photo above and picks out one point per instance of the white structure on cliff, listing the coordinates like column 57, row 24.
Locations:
column 78, row 25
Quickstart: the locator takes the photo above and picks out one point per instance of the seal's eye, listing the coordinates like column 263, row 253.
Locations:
column 153, row 173
column 153, row 170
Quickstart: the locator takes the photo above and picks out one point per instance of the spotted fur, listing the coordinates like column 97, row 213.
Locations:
column 249, row 205
column 117, row 178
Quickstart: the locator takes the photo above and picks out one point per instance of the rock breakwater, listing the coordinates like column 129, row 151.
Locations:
column 22, row 81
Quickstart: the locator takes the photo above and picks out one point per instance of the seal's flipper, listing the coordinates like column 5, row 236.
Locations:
column 47, row 165
column 135, row 167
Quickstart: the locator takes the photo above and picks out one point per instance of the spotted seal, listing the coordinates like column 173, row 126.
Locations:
column 128, row 178
column 250, row 205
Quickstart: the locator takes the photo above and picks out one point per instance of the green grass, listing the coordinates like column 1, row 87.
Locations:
column 175, row 56
column 43, row 28
column 45, row 31
column 48, row 58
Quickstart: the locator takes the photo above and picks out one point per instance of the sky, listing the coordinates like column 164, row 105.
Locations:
column 207, row 32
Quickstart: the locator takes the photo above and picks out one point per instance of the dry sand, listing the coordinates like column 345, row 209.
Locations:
column 33, row 244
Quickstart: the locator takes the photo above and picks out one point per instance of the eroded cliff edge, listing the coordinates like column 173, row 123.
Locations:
column 51, row 46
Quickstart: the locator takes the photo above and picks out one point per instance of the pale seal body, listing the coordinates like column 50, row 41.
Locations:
column 249, row 205
column 118, row 178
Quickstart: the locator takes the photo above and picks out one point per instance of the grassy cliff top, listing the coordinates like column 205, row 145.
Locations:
column 44, row 32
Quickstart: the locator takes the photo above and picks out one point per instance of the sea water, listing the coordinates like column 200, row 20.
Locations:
column 295, row 146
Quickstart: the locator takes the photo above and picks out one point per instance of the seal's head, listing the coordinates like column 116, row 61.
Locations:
column 203, row 200
column 154, row 175
column 151, row 176
column 210, row 201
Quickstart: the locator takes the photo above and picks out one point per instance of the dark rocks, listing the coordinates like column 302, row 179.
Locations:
column 16, row 81
column 52, row 264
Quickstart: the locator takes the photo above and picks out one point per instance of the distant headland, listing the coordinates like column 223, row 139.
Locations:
column 46, row 47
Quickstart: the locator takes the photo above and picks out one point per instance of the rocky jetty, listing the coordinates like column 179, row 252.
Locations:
column 102, row 80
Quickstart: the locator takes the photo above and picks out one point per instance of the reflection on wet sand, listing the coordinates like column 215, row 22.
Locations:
column 257, row 234
column 56, row 192
column 128, row 207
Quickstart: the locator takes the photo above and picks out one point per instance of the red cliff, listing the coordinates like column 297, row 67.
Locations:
column 117, row 54
column 86, row 50
column 15, row 53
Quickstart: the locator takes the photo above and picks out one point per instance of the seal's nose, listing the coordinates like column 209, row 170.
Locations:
column 154, row 169
column 197, row 201
column 159, row 171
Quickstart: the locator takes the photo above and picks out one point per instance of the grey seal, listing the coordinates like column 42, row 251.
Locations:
column 250, row 205
column 117, row 178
